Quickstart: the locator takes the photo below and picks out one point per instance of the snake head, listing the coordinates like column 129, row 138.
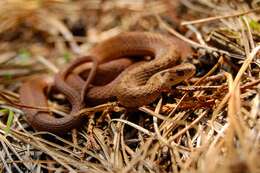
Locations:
column 177, row 74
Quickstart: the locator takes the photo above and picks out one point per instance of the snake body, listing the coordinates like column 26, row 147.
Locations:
column 143, row 84
column 138, row 85
column 33, row 93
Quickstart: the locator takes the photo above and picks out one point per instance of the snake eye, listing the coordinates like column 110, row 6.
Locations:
column 180, row 72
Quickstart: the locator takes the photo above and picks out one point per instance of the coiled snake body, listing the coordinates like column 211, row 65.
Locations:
column 138, row 85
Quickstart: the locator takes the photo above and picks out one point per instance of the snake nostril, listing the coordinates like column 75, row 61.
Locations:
column 162, row 74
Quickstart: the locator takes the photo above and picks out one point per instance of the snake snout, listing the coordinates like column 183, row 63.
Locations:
column 177, row 74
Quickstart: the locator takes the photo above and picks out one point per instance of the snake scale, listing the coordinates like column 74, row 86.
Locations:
column 138, row 84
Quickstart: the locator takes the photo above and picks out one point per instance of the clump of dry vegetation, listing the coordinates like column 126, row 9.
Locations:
column 211, row 123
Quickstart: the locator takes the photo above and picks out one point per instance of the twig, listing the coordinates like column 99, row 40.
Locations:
column 21, row 105
column 191, row 42
column 187, row 127
column 219, row 17
column 48, row 64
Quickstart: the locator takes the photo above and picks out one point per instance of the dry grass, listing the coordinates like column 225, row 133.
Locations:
column 209, row 124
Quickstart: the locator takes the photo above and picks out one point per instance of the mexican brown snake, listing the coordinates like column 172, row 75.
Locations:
column 139, row 84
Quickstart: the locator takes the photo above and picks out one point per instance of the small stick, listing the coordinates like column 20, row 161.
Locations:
column 219, row 17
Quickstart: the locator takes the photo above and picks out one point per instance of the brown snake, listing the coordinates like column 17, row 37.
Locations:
column 138, row 85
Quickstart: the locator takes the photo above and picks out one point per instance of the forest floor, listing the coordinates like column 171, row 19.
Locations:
column 209, row 123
